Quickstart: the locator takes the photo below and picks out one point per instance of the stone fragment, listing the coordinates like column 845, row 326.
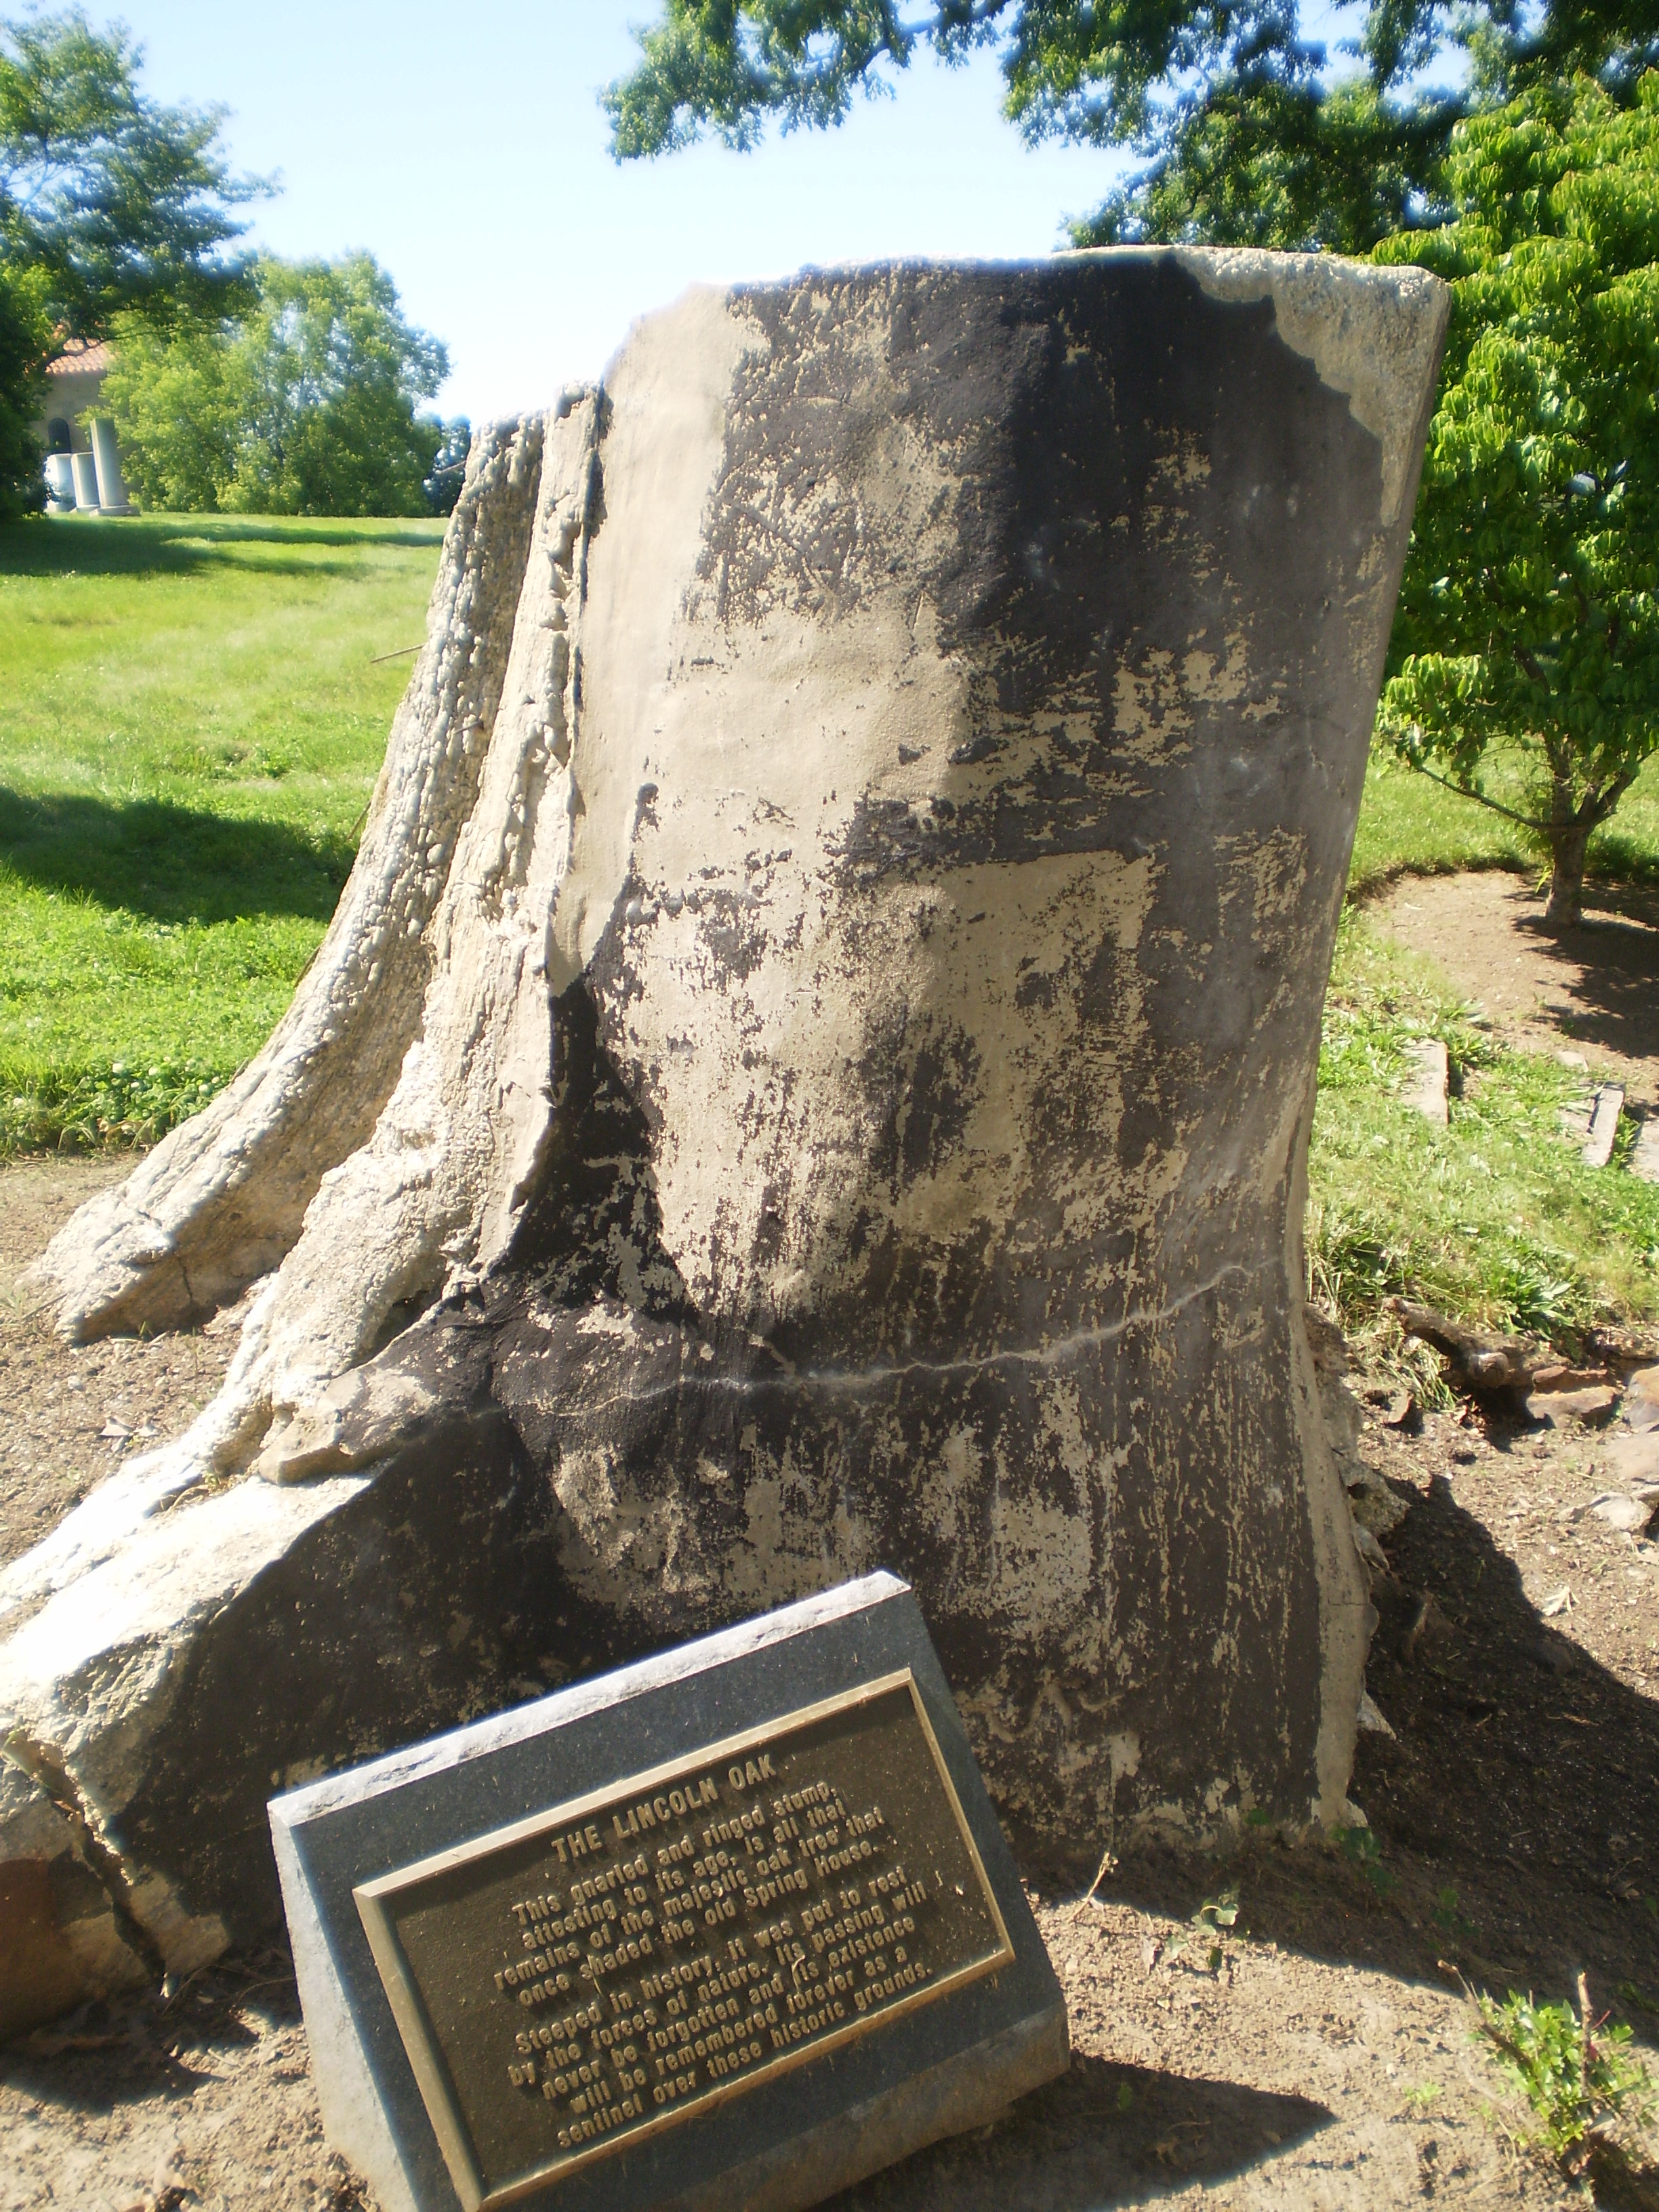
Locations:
column 871, row 1982
column 1641, row 1407
column 1634, row 1459
column 1560, row 1377
column 66, row 1936
column 1606, row 1107
column 1591, row 1409
column 1371, row 1718
column 1644, row 1154
column 1427, row 1077
column 1620, row 1512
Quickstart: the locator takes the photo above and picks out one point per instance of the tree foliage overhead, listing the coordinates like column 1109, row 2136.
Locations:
column 1527, row 642
column 111, row 201
column 305, row 405
column 1245, row 137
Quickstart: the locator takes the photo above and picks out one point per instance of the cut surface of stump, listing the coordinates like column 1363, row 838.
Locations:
column 811, row 1072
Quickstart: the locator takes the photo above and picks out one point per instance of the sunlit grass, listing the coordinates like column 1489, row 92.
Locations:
column 1494, row 1218
column 190, row 726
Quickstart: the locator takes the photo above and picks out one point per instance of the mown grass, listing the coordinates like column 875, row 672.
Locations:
column 190, row 726
column 1495, row 1219
column 1409, row 825
column 190, row 729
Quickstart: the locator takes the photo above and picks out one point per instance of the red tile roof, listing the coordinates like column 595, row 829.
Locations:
column 80, row 360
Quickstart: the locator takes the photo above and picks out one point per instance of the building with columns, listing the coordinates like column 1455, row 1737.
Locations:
column 84, row 458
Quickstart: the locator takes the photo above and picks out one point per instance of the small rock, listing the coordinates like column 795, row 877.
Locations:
column 1571, row 1060
column 1404, row 1414
column 1621, row 1511
column 1368, row 1547
column 1634, row 1460
column 1644, row 1158
column 1371, row 1718
column 1325, row 1341
column 1641, row 1399
column 1593, row 1408
column 1560, row 1377
column 1372, row 1504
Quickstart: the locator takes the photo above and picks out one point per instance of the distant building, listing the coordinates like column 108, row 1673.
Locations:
column 83, row 458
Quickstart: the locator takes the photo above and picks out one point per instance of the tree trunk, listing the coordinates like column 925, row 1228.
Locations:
column 1568, row 847
column 813, row 1071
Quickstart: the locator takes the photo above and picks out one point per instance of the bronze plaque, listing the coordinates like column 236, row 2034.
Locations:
column 617, row 1964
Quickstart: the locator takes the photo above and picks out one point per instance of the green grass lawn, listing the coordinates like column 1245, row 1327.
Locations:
column 1408, row 825
column 190, row 729
column 1495, row 1219
column 190, row 726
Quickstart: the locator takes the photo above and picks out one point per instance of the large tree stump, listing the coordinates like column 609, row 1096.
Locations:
column 811, row 1071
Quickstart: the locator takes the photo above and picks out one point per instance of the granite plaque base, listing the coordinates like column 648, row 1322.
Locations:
column 734, row 1927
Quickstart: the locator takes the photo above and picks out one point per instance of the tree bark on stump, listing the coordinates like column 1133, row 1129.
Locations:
column 811, row 1071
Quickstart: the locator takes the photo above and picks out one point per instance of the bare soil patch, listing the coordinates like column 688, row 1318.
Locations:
column 1595, row 990
column 68, row 1415
column 1328, row 2062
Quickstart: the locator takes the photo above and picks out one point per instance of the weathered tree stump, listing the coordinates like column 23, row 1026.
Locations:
column 811, row 1071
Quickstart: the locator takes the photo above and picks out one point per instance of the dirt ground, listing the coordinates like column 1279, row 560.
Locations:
column 67, row 1417
column 1329, row 2061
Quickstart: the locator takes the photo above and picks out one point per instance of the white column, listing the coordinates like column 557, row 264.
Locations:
column 86, row 480
column 107, row 454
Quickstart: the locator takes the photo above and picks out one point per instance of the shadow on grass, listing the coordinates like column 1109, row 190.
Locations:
column 184, row 545
column 170, row 863
column 1515, row 1815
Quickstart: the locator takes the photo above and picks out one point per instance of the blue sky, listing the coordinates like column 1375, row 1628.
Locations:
column 464, row 147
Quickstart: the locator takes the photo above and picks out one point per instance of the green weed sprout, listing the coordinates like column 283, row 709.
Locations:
column 1579, row 2075
column 1362, row 1847
column 1206, row 1927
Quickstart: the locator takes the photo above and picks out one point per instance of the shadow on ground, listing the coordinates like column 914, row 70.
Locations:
column 1604, row 976
column 185, row 544
column 1516, row 1817
column 1101, row 2135
column 107, row 2055
column 171, row 863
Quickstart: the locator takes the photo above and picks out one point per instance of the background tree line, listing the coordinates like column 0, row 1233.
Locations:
column 240, row 381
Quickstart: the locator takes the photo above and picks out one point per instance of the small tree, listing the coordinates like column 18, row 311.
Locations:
column 305, row 406
column 1527, row 642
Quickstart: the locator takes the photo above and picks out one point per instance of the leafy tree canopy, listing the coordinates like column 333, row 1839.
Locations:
column 1244, row 136
column 305, row 404
column 110, row 202
column 1526, row 649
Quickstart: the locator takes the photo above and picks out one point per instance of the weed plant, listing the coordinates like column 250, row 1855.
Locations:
column 1588, row 2092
